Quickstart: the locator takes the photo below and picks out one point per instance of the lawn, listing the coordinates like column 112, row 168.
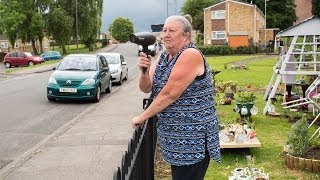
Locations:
column 271, row 131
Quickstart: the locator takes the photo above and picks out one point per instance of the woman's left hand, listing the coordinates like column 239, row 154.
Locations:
column 136, row 122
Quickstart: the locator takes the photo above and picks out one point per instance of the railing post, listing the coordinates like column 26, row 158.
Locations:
column 149, row 153
column 138, row 161
column 117, row 174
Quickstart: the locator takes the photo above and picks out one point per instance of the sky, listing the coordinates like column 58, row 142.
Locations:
column 142, row 13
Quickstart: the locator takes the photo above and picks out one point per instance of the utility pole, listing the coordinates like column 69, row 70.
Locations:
column 77, row 26
column 265, row 23
column 167, row 8
column 172, row 7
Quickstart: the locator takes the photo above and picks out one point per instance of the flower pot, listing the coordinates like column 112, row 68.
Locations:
column 226, row 101
column 229, row 95
column 290, row 161
column 316, row 166
column 244, row 177
column 302, row 164
column 244, row 109
column 296, row 163
column 308, row 165
column 237, row 172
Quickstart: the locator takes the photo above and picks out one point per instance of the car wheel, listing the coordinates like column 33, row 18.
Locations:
column 127, row 76
column 109, row 88
column 51, row 99
column 7, row 65
column 120, row 80
column 30, row 63
column 97, row 98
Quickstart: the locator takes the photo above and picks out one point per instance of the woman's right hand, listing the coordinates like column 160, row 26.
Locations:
column 144, row 62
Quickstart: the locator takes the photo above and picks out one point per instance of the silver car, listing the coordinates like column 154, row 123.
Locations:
column 118, row 66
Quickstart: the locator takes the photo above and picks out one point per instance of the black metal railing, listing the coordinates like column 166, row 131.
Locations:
column 138, row 161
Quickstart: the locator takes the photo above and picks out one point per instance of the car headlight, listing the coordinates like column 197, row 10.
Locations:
column 52, row 80
column 88, row 82
column 114, row 71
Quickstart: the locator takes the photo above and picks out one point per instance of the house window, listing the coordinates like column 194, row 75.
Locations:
column 218, row 35
column 16, row 45
column 4, row 45
column 221, row 14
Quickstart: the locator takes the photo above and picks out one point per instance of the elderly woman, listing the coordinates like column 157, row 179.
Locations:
column 181, row 82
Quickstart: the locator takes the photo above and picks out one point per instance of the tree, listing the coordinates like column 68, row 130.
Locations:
column 316, row 7
column 60, row 26
column 23, row 19
column 37, row 26
column 89, row 16
column 121, row 28
column 32, row 29
column 195, row 9
column 275, row 12
column 11, row 19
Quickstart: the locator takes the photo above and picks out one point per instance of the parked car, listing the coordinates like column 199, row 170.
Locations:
column 50, row 55
column 118, row 66
column 153, row 49
column 80, row 76
column 21, row 59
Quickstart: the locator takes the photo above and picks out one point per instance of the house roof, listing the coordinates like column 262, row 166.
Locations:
column 247, row 4
column 237, row 2
column 310, row 26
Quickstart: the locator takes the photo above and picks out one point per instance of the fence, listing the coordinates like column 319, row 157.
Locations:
column 138, row 161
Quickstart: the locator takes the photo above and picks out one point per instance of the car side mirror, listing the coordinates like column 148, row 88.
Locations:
column 54, row 68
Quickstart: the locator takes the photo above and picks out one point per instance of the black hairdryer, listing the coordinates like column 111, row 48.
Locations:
column 144, row 39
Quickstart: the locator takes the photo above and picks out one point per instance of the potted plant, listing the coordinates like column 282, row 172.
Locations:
column 298, row 147
column 245, row 104
column 229, row 88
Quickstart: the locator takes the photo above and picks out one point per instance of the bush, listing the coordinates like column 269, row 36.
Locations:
column 2, row 54
column 251, row 49
column 199, row 39
column 298, row 139
column 246, row 97
column 215, row 50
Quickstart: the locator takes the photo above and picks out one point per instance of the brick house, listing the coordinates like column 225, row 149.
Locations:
column 5, row 45
column 235, row 23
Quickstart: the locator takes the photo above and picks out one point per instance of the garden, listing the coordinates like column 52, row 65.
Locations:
column 250, row 81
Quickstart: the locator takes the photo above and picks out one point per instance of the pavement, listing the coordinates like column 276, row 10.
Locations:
column 90, row 146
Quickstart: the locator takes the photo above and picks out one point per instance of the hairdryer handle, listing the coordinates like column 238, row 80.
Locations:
column 146, row 51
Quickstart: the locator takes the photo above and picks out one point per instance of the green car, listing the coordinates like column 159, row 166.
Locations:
column 80, row 76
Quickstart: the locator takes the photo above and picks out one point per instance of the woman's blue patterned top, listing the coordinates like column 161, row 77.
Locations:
column 190, row 125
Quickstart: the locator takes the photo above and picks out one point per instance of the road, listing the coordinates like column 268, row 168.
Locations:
column 27, row 117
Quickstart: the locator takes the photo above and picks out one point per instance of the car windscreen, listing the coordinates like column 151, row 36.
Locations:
column 81, row 63
column 112, row 59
